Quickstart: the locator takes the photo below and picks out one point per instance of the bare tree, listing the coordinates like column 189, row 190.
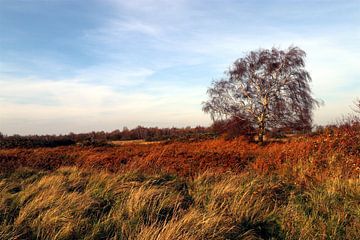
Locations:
column 269, row 88
column 357, row 106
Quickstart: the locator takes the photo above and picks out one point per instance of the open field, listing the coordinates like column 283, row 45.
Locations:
column 335, row 151
column 179, row 120
column 134, row 142
column 305, row 188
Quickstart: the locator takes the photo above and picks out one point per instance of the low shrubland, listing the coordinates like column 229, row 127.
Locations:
column 317, row 155
column 303, row 187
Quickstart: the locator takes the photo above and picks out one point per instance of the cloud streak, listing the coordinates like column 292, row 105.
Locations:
column 44, row 103
column 149, row 62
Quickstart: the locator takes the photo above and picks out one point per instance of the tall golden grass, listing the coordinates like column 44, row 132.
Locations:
column 75, row 203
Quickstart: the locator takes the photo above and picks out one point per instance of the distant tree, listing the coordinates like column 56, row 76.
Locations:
column 268, row 87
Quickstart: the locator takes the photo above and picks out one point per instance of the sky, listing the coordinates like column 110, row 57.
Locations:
column 93, row 65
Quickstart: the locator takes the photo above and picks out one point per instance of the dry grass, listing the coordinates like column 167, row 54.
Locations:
column 73, row 203
column 307, row 188
column 134, row 142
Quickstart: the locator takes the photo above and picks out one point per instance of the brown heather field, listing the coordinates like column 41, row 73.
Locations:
column 306, row 187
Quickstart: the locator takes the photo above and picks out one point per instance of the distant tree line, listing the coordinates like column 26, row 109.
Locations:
column 34, row 141
column 103, row 138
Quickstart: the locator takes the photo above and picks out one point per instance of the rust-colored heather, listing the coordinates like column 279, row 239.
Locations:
column 336, row 151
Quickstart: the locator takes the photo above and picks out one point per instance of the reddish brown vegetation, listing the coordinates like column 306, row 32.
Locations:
column 334, row 150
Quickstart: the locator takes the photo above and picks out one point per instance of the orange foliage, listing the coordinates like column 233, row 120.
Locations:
column 337, row 150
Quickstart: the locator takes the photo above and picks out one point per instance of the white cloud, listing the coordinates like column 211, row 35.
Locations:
column 116, row 30
column 80, row 106
column 113, row 75
column 90, row 100
column 136, row 26
column 146, row 38
column 157, row 6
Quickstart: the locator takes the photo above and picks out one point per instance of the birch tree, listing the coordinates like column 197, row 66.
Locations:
column 268, row 87
column 357, row 106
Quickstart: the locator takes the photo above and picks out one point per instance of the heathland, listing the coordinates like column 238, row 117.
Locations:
column 304, row 186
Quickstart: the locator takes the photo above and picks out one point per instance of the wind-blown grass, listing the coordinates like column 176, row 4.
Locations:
column 73, row 203
column 307, row 187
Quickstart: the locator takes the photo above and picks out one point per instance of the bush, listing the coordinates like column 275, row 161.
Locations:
column 95, row 143
column 233, row 128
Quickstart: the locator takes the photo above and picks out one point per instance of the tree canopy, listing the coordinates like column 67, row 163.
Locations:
column 268, row 87
column 357, row 106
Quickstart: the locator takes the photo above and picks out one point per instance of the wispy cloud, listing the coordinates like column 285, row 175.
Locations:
column 149, row 62
column 135, row 26
column 41, row 102
column 151, row 6
column 113, row 75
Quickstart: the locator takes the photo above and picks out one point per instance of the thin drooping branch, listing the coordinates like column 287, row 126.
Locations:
column 357, row 106
column 269, row 88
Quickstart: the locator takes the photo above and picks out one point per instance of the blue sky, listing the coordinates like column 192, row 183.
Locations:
column 100, row 65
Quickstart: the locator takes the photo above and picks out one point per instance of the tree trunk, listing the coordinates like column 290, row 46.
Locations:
column 261, row 131
column 261, row 135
